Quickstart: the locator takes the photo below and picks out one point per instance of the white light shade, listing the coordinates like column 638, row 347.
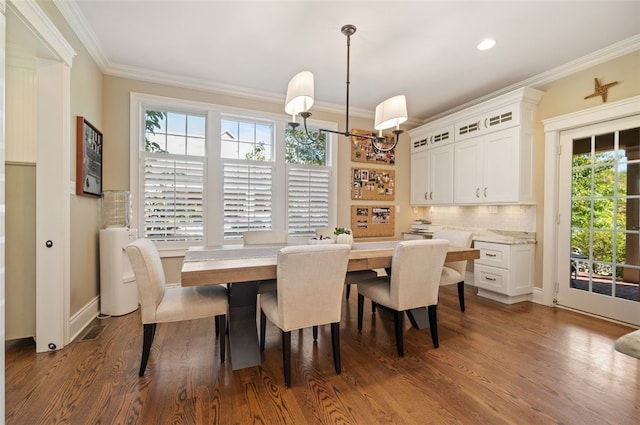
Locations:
column 391, row 113
column 299, row 93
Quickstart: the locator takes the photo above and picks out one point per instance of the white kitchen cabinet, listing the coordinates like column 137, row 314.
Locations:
column 500, row 118
column 432, row 176
column 494, row 168
column 492, row 153
column 419, row 180
column 504, row 272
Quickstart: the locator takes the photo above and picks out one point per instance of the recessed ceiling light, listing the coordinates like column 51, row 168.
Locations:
column 486, row 44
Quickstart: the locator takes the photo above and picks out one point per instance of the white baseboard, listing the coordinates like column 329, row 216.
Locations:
column 537, row 296
column 79, row 321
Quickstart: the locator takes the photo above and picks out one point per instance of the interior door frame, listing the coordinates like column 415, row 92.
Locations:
column 53, row 176
column 552, row 216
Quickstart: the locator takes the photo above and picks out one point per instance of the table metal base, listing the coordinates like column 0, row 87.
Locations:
column 244, row 347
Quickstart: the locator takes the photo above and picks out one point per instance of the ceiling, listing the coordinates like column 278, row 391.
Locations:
column 423, row 49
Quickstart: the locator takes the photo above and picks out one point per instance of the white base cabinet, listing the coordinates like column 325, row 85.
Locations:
column 504, row 272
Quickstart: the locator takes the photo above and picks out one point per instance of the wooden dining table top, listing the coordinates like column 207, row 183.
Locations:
column 229, row 264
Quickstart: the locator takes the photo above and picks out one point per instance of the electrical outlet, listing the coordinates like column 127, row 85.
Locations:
column 493, row 209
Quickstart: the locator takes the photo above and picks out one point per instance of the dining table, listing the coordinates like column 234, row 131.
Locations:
column 242, row 268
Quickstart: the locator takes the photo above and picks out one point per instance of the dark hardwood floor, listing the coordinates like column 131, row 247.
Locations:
column 497, row 364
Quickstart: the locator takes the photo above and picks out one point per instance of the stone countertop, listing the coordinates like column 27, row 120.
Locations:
column 509, row 237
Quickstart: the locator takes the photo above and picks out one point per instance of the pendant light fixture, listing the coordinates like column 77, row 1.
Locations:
column 390, row 113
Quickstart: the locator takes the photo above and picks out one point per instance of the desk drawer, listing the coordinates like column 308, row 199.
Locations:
column 493, row 254
column 491, row 278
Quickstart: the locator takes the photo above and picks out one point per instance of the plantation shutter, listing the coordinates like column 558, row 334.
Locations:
column 308, row 199
column 173, row 198
column 247, row 198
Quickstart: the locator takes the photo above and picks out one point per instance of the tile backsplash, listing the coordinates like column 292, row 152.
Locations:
column 500, row 217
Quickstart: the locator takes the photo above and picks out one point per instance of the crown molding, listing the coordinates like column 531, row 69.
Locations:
column 606, row 54
column 76, row 20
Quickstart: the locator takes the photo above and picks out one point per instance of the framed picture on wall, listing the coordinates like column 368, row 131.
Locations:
column 88, row 159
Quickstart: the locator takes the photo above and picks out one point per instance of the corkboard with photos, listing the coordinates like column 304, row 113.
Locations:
column 362, row 151
column 373, row 184
column 372, row 220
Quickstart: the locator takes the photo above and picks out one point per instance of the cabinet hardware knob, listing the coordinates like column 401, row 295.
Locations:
column 426, row 196
column 491, row 255
column 485, row 192
column 490, row 279
column 477, row 192
column 431, row 196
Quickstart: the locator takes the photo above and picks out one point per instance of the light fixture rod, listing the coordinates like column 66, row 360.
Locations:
column 348, row 30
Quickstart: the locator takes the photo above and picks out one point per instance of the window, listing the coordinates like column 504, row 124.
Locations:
column 173, row 160
column 203, row 174
column 308, row 197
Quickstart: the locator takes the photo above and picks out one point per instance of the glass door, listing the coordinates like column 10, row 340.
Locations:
column 599, row 226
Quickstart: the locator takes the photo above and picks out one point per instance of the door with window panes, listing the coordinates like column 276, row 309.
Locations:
column 599, row 230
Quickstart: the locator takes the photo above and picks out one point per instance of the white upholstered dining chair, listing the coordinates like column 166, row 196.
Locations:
column 310, row 284
column 159, row 304
column 416, row 267
column 352, row 278
column 453, row 272
column 264, row 237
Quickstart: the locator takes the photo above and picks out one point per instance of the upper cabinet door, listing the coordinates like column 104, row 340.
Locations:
column 419, row 183
column 468, row 172
column 441, row 175
column 501, row 165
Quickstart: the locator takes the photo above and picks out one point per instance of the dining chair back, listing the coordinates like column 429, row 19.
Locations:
column 453, row 272
column 160, row 304
column 416, row 268
column 264, row 237
column 310, row 283
column 352, row 278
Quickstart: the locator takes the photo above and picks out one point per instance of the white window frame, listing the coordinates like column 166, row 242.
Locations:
column 213, row 219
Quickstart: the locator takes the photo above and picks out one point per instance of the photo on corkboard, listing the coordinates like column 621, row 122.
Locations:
column 372, row 220
column 362, row 151
column 373, row 184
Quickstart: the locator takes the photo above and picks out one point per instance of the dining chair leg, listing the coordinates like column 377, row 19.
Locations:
column 461, row 295
column 335, row 342
column 373, row 307
column 263, row 329
column 315, row 333
column 221, row 323
column 149, row 332
column 360, row 310
column 399, row 327
column 286, row 357
column 348, row 291
column 433, row 324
